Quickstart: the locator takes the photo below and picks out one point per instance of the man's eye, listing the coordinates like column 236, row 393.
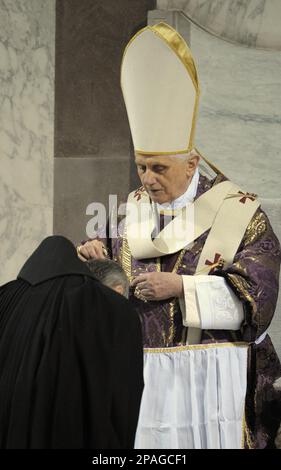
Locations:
column 159, row 169
column 141, row 169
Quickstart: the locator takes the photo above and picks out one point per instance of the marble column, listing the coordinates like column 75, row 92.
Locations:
column 27, row 45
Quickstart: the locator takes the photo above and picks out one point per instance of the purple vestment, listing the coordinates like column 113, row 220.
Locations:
column 253, row 276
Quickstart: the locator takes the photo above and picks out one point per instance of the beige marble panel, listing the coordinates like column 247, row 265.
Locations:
column 27, row 57
column 22, row 228
column 253, row 23
column 240, row 111
column 269, row 35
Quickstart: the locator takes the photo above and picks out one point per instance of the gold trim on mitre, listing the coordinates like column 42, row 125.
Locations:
column 179, row 46
column 158, row 152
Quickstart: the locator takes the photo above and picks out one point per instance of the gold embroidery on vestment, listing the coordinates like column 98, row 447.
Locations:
column 126, row 260
column 256, row 228
column 176, row 349
column 241, row 286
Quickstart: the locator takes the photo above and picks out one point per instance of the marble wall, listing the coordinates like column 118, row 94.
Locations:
column 253, row 23
column 27, row 45
column 239, row 119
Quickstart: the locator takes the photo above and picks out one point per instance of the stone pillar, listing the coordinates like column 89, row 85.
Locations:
column 27, row 56
column 93, row 149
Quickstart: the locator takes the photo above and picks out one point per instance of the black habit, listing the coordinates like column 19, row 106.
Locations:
column 71, row 360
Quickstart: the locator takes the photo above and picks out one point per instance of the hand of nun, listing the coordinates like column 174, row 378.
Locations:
column 158, row 286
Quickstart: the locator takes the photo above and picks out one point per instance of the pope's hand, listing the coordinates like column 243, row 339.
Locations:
column 92, row 249
column 158, row 286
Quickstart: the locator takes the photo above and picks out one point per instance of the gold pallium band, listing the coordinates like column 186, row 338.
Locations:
column 176, row 42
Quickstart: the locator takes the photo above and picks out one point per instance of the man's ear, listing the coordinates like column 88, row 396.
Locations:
column 192, row 164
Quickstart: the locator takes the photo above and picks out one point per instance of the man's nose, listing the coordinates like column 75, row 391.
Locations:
column 149, row 178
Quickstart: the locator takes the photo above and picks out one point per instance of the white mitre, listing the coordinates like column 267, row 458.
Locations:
column 161, row 91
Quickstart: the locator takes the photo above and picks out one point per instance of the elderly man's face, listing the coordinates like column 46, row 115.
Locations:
column 165, row 178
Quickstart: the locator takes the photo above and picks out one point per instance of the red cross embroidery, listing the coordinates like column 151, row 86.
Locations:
column 217, row 263
column 246, row 196
column 216, row 260
column 138, row 193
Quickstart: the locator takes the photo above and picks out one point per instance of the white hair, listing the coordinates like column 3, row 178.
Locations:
column 186, row 156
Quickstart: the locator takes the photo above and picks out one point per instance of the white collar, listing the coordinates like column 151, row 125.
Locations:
column 185, row 198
